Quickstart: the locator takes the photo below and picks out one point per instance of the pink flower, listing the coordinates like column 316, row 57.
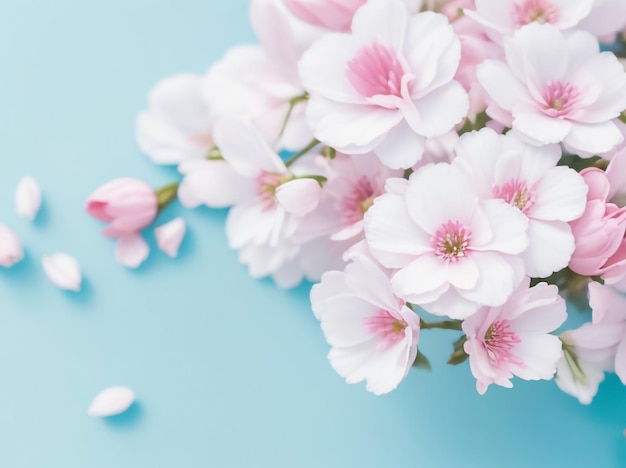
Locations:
column 11, row 251
column 528, row 178
column 372, row 332
column 331, row 14
column 128, row 205
column 452, row 251
column 599, row 232
column 386, row 86
column 514, row 338
column 503, row 17
column 557, row 88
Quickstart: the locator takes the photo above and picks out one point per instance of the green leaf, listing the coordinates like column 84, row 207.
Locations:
column 459, row 355
column 422, row 361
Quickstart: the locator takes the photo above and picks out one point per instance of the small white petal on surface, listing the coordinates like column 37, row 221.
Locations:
column 63, row 270
column 170, row 235
column 111, row 401
column 11, row 250
column 131, row 250
column 27, row 198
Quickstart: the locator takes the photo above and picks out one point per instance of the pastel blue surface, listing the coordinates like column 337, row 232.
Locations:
column 229, row 371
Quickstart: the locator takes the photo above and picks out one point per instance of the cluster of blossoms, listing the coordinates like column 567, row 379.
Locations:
column 454, row 164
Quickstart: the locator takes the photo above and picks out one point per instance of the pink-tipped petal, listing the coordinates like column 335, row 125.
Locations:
column 131, row 250
column 63, row 270
column 11, row 250
column 111, row 401
column 299, row 196
column 170, row 235
column 27, row 198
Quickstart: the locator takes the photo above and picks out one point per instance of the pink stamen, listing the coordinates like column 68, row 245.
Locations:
column 386, row 327
column 559, row 98
column 376, row 69
column 266, row 183
column 354, row 206
column 516, row 194
column 451, row 240
column 499, row 343
column 539, row 11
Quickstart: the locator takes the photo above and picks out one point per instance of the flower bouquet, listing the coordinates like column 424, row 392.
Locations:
column 454, row 164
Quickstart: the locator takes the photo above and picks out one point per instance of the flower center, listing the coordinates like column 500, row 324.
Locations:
column 266, row 185
column 359, row 200
column 451, row 240
column 386, row 327
column 530, row 11
column 376, row 69
column 500, row 341
column 516, row 194
column 559, row 98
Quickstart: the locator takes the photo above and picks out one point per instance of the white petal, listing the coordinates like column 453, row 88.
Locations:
column 27, row 198
column 590, row 139
column 11, row 250
column 244, row 148
column 131, row 250
column 401, row 148
column 63, row 270
column 299, row 196
column 550, row 248
column 170, row 235
column 111, row 401
column 441, row 109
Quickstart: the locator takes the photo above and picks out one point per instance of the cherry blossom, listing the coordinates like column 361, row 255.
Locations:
column 514, row 339
column 11, row 250
column 453, row 251
column 528, row 178
column 386, row 86
column 555, row 88
column 373, row 334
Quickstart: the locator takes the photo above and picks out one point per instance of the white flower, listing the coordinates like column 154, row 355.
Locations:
column 514, row 338
column 527, row 178
column 27, row 198
column 372, row 332
column 555, row 88
column 387, row 86
column 453, row 251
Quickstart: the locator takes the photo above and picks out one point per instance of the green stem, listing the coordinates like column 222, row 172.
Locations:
column 166, row 195
column 293, row 102
column 301, row 153
column 443, row 325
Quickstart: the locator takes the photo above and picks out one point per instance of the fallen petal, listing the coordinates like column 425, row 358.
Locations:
column 131, row 250
column 11, row 250
column 111, row 401
column 170, row 235
column 27, row 198
column 63, row 270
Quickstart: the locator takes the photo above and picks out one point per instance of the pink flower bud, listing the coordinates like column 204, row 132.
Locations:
column 128, row 205
column 599, row 232
column 10, row 247
column 332, row 14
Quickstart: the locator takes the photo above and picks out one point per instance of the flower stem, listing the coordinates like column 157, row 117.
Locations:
column 293, row 102
column 166, row 195
column 443, row 325
column 301, row 153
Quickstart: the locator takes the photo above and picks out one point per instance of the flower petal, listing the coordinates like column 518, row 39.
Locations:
column 299, row 196
column 170, row 235
column 27, row 198
column 111, row 401
column 131, row 250
column 63, row 270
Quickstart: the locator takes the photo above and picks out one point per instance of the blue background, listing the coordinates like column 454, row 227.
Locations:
column 228, row 371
